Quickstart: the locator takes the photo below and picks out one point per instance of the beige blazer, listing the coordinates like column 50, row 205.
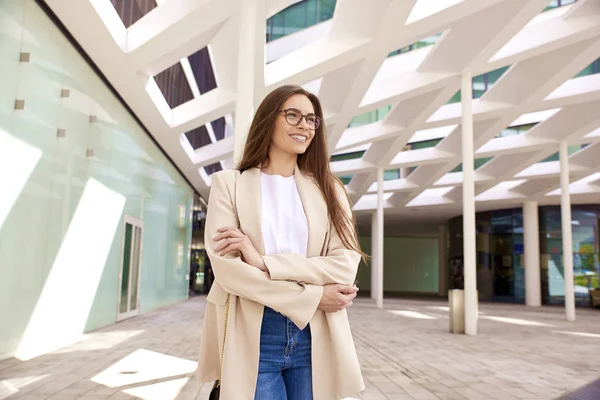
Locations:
column 293, row 288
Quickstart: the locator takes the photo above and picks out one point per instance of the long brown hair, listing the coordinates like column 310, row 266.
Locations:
column 313, row 163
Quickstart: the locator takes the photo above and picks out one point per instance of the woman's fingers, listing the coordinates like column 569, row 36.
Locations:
column 227, row 232
column 226, row 243
column 229, row 249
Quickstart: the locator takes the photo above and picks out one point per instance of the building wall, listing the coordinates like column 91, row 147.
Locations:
column 410, row 265
column 71, row 169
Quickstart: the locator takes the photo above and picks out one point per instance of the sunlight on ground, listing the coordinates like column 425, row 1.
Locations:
column 143, row 366
column 17, row 161
column 63, row 308
column 100, row 341
column 439, row 308
column 412, row 314
column 159, row 391
column 8, row 387
column 515, row 321
column 583, row 334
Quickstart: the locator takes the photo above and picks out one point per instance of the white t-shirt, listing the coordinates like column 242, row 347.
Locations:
column 284, row 224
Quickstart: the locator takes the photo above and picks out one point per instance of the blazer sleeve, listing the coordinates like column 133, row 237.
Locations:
column 296, row 301
column 338, row 265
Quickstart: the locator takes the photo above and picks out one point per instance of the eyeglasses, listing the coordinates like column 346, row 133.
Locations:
column 294, row 118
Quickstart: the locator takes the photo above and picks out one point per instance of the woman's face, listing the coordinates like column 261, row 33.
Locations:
column 288, row 138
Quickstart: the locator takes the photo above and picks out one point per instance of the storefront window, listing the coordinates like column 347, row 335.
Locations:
column 586, row 267
column 500, row 254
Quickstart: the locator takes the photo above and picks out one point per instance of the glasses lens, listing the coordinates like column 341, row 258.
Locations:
column 314, row 122
column 293, row 117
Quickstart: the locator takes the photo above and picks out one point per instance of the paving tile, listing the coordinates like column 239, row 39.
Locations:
column 402, row 358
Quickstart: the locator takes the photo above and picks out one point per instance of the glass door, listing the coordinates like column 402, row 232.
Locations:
column 129, row 277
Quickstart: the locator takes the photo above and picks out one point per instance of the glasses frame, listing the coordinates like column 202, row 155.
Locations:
column 302, row 116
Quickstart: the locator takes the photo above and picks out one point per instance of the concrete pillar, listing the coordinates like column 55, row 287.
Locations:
column 379, row 241
column 531, row 241
column 374, row 255
column 567, row 235
column 468, row 163
column 250, row 50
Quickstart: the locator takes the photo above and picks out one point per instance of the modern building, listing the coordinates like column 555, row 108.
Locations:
column 114, row 114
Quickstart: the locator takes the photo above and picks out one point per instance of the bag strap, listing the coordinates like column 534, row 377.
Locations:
column 227, row 301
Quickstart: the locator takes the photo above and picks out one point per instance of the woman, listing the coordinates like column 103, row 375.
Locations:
column 281, row 238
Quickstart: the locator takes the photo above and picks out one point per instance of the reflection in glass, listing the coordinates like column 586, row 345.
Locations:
column 125, row 270
column 135, row 267
column 586, row 267
column 500, row 254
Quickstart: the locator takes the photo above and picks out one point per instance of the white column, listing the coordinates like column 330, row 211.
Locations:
column 374, row 255
column 468, row 164
column 379, row 241
column 251, row 22
column 567, row 236
column 531, row 241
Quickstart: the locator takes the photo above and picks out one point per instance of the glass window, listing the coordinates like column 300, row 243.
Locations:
column 478, row 163
column 311, row 13
column 391, row 174
column 516, row 130
column 591, row 69
column 428, row 41
column 570, row 150
column 347, row 156
column 558, row 3
column 493, row 76
column 299, row 16
column 295, row 17
column 479, row 86
column 371, row 116
column 586, row 245
column 455, row 99
column 346, row 179
column 325, row 9
column 425, row 144
column 277, row 26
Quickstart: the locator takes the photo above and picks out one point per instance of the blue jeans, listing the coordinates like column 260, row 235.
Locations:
column 284, row 368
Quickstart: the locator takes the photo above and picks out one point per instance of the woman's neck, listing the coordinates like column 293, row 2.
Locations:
column 280, row 164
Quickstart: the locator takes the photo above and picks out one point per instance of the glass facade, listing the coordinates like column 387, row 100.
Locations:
column 428, row 41
column 593, row 68
column 584, row 223
column 389, row 174
column 371, row 116
column 500, row 254
column 132, row 11
column 558, row 3
column 298, row 17
column 79, row 163
column 481, row 84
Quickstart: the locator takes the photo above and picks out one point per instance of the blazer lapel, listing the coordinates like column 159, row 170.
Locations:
column 249, row 206
column 315, row 210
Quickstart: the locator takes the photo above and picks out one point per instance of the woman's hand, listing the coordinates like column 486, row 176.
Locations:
column 337, row 297
column 232, row 239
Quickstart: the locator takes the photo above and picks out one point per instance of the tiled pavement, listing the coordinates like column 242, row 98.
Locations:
column 405, row 350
